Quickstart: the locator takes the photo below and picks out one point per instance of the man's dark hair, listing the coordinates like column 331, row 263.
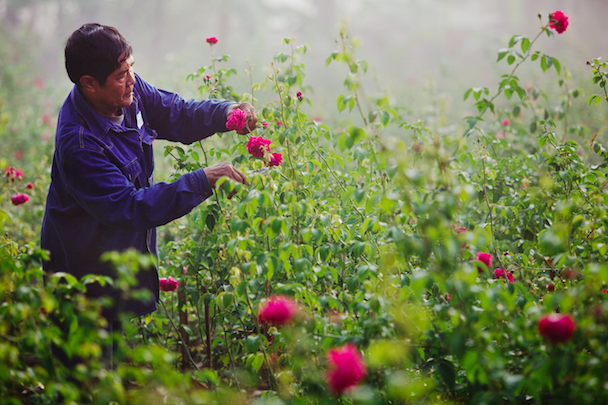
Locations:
column 93, row 50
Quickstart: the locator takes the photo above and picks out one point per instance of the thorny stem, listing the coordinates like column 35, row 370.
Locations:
column 271, row 380
column 485, row 194
column 232, row 363
column 501, row 89
column 350, row 66
column 276, row 81
column 179, row 338
column 251, row 82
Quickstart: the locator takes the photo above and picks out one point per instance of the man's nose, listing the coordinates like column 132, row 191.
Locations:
column 131, row 78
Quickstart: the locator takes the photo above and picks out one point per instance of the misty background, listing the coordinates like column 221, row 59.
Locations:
column 408, row 44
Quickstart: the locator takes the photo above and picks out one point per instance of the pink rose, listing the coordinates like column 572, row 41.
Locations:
column 605, row 291
column 459, row 228
column 212, row 40
column 207, row 77
column 556, row 328
column 168, row 284
column 237, row 120
column 279, row 123
column 278, row 310
column 256, row 146
column 46, row 119
column 29, row 186
column 500, row 273
column 264, row 124
column 39, row 82
column 346, row 368
column 505, row 122
column 19, row 199
column 485, row 258
column 275, row 159
column 559, row 21
column 299, row 95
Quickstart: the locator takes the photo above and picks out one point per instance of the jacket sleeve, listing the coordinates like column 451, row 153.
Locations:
column 177, row 119
column 105, row 192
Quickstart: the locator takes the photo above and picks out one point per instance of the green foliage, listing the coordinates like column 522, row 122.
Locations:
column 375, row 236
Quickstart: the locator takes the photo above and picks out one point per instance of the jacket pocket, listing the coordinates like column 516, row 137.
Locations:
column 132, row 170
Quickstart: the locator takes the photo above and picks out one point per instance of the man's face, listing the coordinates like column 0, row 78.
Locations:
column 117, row 92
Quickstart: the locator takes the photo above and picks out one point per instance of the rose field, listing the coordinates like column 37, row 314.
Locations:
column 380, row 254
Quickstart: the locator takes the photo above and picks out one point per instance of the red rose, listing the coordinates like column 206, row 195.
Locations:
column 168, row 284
column 29, row 186
column 485, row 258
column 256, row 146
column 277, row 310
column 237, row 120
column 346, row 368
column 500, row 273
column 299, row 95
column 212, row 40
column 19, row 199
column 550, row 287
column 275, row 159
column 556, row 328
column 559, row 21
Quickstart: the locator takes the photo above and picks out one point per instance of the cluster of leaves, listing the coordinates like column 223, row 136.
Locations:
column 375, row 237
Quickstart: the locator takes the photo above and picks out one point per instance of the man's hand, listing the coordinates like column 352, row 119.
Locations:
column 224, row 169
column 252, row 120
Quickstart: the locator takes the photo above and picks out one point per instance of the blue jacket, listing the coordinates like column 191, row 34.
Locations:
column 102, row 195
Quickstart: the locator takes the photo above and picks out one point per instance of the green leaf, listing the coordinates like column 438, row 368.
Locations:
column 502, row 53
column 557, row 65
column 510, row 59
column 466, row 94
column 525, row 45
column 543, row 63
column 593, row 98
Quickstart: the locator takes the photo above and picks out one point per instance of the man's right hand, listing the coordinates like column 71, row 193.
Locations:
column 224, row 169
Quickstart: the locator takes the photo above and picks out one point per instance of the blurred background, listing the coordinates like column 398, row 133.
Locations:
column 405, row 42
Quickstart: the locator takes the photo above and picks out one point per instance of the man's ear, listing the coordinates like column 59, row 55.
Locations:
column 89, row 84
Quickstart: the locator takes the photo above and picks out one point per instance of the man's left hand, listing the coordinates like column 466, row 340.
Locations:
column 252, row 120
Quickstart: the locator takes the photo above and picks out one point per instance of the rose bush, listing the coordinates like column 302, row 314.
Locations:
column 376, row 223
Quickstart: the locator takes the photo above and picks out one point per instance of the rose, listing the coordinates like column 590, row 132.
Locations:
column 485, row 258
column 299, row 95
column 275, row 159
column 212, row 40
column 277, row 310
column 505, row 122
column 550, row 287
column 256, row 146
column 559, row 21
column 556, row 328
column 168, row 284
column 500, row 273
column 19, row 199
column 346, row 368
column 459, row 228
column 29, row 186
column 237, row 120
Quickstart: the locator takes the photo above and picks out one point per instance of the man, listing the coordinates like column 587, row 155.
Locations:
column 102, row 195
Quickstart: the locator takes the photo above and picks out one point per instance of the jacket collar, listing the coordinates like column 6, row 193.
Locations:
column 97, row 123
